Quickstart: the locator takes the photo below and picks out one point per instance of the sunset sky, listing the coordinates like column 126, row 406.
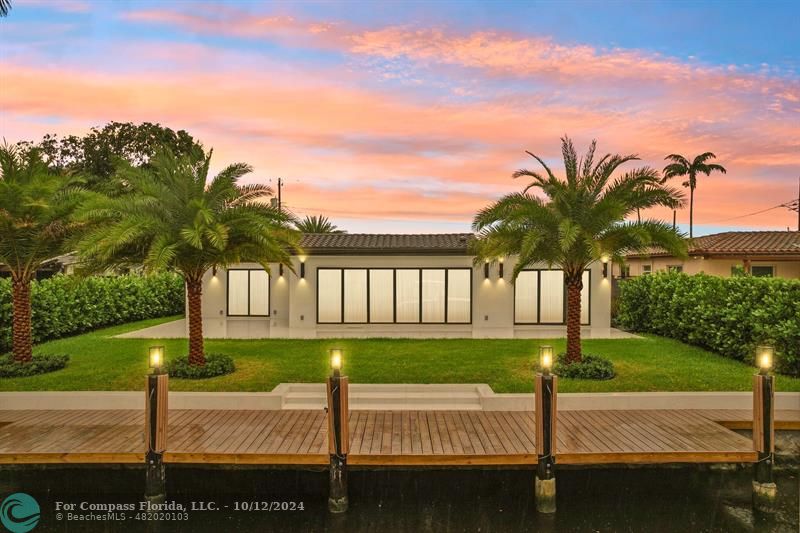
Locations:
column 409, row 117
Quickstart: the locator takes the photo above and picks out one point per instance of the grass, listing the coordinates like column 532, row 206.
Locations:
column 100, row 362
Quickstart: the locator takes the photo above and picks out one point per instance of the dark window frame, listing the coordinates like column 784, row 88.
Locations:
column 539, row 299
column 770, row 267
column 394, row 294
column 228, row 292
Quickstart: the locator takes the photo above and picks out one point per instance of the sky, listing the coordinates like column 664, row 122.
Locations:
column 411, row 116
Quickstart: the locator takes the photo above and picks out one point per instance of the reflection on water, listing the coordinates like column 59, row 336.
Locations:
column 652, row 500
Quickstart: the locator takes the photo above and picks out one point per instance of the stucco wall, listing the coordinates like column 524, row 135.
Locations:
column 713, row 266
column 293, row 302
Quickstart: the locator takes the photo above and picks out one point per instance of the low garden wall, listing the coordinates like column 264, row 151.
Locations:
column 725, row 315
column 68, row 305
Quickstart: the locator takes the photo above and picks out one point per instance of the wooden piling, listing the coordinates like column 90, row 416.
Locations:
column 338, row 442
column 155, row 434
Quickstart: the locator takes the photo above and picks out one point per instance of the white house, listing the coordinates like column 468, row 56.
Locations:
column 386, row 285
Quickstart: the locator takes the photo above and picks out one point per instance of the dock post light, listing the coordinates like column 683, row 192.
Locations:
column 765, row 491
column 486, row 270
column 546, row 358
column 338, row 434
column 605, row 259
column 546, row 385
column 155, row 430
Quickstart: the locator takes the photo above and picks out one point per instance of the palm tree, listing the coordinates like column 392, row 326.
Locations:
column 35, row 209
column 5, row 7
column 317, row 224
column 172, row 218
column 576, row 222
column 681, row 166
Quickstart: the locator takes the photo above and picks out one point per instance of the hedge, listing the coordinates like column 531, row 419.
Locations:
column 68, row 305
column 729, row 316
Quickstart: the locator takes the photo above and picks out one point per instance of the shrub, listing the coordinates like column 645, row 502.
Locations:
column 729, row 316
column 68, row 305
column 39, row 364
column 589, row 367
column 217, row 364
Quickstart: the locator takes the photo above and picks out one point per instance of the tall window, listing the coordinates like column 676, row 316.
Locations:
column 394, row 295
column 540, row 297
column 248, row 293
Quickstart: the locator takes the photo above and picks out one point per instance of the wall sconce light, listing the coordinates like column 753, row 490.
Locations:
column 764, row 357
column 156, row 358
column 500, row 269
column 214, row 271
column 336, row 360
column 280, row 270
column 486, row 270
column 302, row 270
column 545, row 358
column 604, row 259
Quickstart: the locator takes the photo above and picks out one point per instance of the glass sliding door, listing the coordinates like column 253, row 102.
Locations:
column 551, row 299
column 329, row 295
column 355, row 295
column 433, row 300
column 381, row 295
column 407, row 295
column 526, row 297
column 459, row 291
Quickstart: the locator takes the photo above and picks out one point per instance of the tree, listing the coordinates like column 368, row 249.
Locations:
column 35, row 209
column 5, row 7
column 576, row 222
column 98, row 154
column 317, row 224
column 681, row 166
column 171, row 219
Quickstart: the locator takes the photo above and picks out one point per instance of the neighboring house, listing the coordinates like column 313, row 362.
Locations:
column 379, row 285
column 759, row 253
column 62, row 264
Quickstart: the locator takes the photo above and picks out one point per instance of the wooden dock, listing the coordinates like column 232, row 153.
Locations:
column 382, row 438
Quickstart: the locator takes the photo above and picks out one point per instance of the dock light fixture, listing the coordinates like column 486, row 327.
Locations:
column 604, row 259
column 546, row 358
column 764, row 357
column 486, row 270
column 302, row 270
column 336, row 360
column 156, row 358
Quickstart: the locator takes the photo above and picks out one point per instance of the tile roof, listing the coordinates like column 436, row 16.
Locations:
column 741, row 243
column 386, row 243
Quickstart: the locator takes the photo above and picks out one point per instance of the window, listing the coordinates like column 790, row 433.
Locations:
column 763, row 271
column 540, row 297
column 388, row 295
column 647, row 269
column 248, row 292
column 675, row 268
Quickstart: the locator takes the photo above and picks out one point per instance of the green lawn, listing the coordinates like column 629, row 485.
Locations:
column 99, row 362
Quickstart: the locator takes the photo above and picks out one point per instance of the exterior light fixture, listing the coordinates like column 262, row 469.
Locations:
column 156, row 358
column 546, row 358
column 486, row 270
column 280, row 270
column 336, row 360
column 500, row 269
column 764, row 357
column 302, row 270
column 604, row 259
column 214, row 271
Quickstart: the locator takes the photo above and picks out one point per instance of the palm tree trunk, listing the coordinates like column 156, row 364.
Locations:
column 21, row 341
column 638, row 215
column 194, row 290
column 691, row 211
column 574, row 287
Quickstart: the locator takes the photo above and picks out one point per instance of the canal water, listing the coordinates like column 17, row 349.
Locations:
column 230, row 500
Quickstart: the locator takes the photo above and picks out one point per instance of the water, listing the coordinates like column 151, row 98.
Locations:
column 651, row 500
